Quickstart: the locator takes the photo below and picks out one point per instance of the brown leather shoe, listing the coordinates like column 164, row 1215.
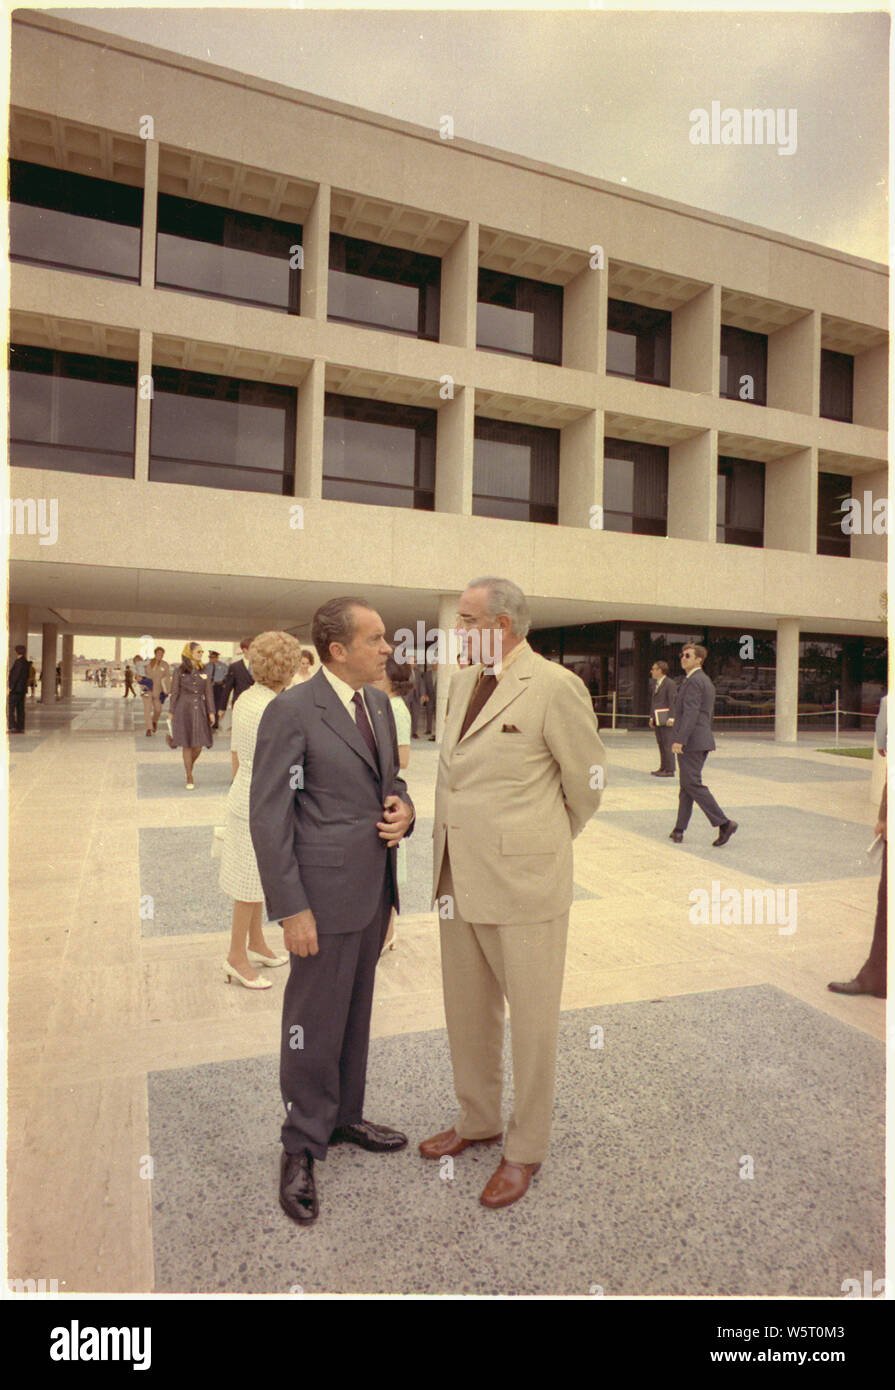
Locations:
column 449, row 1143
column 508, row 1184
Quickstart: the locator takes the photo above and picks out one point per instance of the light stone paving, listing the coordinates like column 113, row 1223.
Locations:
column 95, row 1005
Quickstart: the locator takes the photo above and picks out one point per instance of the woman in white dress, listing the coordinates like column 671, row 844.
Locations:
column 396, row 683
column 272, row 659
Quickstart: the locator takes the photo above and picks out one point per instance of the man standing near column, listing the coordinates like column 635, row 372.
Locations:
column 327, row 810
column 17, row 685
column 520, row 773
column 661, row 710
column 693, row 742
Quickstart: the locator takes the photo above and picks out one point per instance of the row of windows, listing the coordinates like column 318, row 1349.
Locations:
column 77, row 413
column 94, row 226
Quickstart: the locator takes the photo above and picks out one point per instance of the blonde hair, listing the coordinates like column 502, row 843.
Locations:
column 273, row 657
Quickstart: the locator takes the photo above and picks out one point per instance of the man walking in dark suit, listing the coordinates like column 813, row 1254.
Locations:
column 328, row 808
column 693, row 742
column 17, row 685
column 661, row 710
column 238, row 677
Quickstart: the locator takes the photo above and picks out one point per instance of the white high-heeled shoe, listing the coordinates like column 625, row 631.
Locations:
column 249, row 984
column 257, row 959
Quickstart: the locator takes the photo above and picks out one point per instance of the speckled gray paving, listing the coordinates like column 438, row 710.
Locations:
column 775, row 843
column 212, row 775
column 642, row 1192
column 788, row 770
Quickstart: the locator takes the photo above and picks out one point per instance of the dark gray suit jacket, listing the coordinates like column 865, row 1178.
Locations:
column 663, row 698
column 315, row 799
column 693, row 713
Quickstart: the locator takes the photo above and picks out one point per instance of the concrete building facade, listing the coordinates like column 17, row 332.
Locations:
column 267, row 348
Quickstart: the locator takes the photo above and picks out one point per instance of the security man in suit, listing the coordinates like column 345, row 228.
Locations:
column 17, row 686
column 327, row 810
column 238, row 677
column 693, row 742
column 661, row 709
column 520, row 773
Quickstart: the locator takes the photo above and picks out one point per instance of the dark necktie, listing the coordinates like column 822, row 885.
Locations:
column 363, row 725
column 486, row 686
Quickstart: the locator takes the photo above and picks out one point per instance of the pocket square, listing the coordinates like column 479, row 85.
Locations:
column 510, row 729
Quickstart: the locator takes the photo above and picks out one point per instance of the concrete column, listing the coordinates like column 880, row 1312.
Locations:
column 693, row 487
column 447, row 621
column 144, row 407
column 794, row 366
column 18, row 628
column 460, row 289
column 50, row 634
column 315, row 256
column 584, row 321
column 68, row 651
column 868, row 543
column 870, row 399
column 695, row 343
column 790, row 502
column 309, row 432
column 581, row 470
column 454, row 446
column 150, row 214
column 117, row 649
column 787, row 681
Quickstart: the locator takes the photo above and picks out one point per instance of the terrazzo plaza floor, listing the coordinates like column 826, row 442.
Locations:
column 725, row 1136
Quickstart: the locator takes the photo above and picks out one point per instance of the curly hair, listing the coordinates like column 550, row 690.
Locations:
column 273, row 657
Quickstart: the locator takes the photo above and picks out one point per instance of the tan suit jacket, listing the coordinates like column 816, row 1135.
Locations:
column 514, row 792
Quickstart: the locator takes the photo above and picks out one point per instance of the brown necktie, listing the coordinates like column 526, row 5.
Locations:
column 486, row 686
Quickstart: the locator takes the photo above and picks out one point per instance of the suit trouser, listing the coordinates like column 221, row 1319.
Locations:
column 329, row 997
column 483, row 964
column 665, row 738
column 692, row 788
column 872, row 974
column 15, row 710
column 152, row 709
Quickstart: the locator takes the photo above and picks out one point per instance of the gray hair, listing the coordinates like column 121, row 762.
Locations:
column 503, row 596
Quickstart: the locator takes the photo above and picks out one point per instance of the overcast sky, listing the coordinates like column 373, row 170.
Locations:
column 605, row 93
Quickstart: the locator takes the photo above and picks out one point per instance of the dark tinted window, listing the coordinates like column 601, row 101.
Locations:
column 832, row 491
column 744, row 365
column 222, row 432
column 379, row 453
column 837, row 372
column 638, row 342
column 740, row 501
column 228, row 254
column 635, row 487
column 73, row 221
column 520, row 317
column 515, row 471
column 383, row 287
column 72, row 412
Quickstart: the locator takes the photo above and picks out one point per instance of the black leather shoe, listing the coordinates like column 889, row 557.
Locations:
column 677, row 836
column 657, row 773
column 855, row 987
column 727, row 830
column 298, row 1195
column 666, row 774
column 376, row 1138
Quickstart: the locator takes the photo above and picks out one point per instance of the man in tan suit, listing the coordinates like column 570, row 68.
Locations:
column 520, row 774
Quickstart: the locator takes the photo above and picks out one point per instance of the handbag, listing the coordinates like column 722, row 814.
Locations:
column 217, row 840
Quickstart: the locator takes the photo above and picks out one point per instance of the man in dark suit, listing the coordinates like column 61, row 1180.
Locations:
column 426, row 695
column 693, row 742
column 328, row 808
column 17, row 685
column 238, row 677
column 660, row 711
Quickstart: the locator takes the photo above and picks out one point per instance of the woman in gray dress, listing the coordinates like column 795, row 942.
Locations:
column 191, row 708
